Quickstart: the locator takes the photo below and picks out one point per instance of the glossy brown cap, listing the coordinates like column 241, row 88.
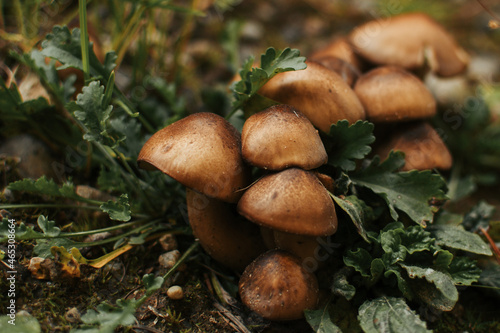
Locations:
column 390, row 94
column 201, row 151
column 319, row 93
column 423, row 147
column 281, row 137
column 346, row 71
column 277, row 287
column 410, row 41
column 292, row 200
column 225, row 235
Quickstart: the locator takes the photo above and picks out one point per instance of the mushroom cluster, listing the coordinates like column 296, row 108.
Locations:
column 255, row 200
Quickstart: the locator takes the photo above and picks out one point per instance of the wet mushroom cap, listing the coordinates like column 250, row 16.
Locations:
column 319, row 93
column 226, row 236
column 423, row 147
column 277, row 287
column 348, row 72
column 281, row 137
column 292, row 200
column 390, row 93
column 202, row 151
column 409, row 40
column 339, row 48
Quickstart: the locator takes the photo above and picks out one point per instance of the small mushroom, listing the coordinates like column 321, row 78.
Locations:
column 281, row 137
column 347, row 72
column 226, row 236
column 319, row 93
column 423, row 147
column 292, row 200
column 410, row 41
column 202, row 151
column 390, row 93
column 277, row 287
column 339, row 48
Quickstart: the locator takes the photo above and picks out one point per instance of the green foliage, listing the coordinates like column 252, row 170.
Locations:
column 253, row 78
column 389, row 314
column 345, row 143
column 21, row 324
column 118, row 210
column 321, row 321
column 409, row 192
column 106, row 318
column 456, row 237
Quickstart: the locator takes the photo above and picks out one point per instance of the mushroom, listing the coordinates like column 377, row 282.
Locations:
column 339, row 48
column 390, row 93
column 277, row 287
column 421, row 144
column 348, row 72
column 202, row 151
column 410, row 41
column 319, row 93
column 280, row 137
column 226, row 236
column 292, row 200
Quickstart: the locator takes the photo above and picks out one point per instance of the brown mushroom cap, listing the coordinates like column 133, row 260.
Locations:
column 293, row 200
column 281, row 137
column 346, row 71
column 319, row 93
column 390, row 93
column 226, row 236
column 202, row 151
column 277, row 287
column 421, row 144
column 409, row 40
column 339, row 48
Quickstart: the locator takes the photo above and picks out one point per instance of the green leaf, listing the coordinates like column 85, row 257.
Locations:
column 320, row 320
column 107, row 318
column 342, row 287
column 389, row 314
column 410, row 192
column 391, row 244
column 358, row 211
column 89, row 109
column 403, row 285
column 416, row 239
column 464, row 271
column 44, row 186
column 253, row 78
column 345, row 143
column 479, row 216
column 48, row 227
column 43, row 246
column 441, row 281
column 20, row 324
column 118, row 210
column 491, row 277
column 458, row 238
column 360, row 260
column 21, row 231
column 152, row 283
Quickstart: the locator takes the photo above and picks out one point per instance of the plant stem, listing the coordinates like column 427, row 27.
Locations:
column 84, row 38
column 181, row 260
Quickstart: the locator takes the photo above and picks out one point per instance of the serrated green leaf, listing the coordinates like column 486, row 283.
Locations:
column 357, row 210
column 44, row 186
column 48, row 227
column 43, row 247
column 442, row 260
column 389, row 314
column 410, row 192
column 321, row 321
column 21, row 231
column 117, row 210
column 346, row 143
column 441, row 281
column 456, row 237
column 89, row 109
column 253, row 78
column 464, row 271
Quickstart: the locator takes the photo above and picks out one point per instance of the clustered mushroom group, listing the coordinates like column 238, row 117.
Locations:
column 255, row 200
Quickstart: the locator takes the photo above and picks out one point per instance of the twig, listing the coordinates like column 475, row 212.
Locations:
column 493, row 246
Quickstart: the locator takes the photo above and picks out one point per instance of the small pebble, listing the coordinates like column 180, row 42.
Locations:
column 168, row 260
column 175, row 292
column 72, row 315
